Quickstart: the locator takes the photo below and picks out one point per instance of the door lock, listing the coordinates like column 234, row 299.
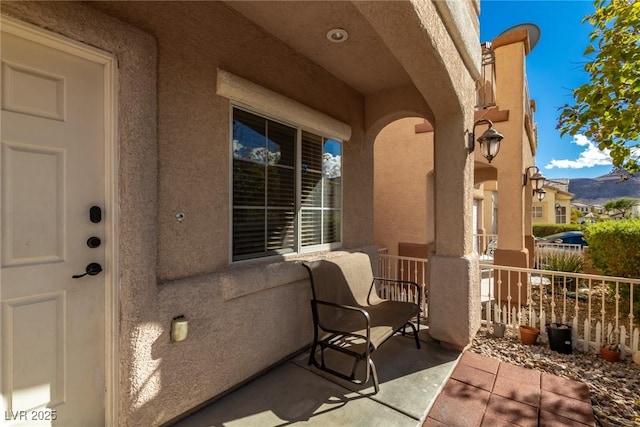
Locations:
column 92, row 269
column 95, row 214
column 93, row 242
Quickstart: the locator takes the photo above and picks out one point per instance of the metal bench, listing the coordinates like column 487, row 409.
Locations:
column 348, row 315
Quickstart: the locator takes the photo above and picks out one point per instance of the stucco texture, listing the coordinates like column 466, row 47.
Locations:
column 174, row 154
column 403, row 212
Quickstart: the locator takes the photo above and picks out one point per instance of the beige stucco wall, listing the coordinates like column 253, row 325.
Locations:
column 491, row 194
column 174, row 156
column 517, row 150
column 510, row 78
column 552, row 200
column 242, row 319
column 403, row 185
column 447, row 83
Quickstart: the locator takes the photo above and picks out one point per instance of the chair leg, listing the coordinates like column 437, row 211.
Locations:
column 415, row 334
column 374, row 373
column 312, row 355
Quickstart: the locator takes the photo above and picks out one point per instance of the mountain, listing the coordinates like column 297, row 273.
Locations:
column 604, row 188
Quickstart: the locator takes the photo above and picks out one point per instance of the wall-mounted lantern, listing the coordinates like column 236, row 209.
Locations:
column 489, row 141
column 537, row 181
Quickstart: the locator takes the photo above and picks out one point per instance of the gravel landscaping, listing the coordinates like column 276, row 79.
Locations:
column 615, row 387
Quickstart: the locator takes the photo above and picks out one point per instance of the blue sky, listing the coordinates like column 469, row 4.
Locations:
column 554, row 67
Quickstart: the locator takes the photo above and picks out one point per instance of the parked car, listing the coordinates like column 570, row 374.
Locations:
column 566, row 237
column 491, row 247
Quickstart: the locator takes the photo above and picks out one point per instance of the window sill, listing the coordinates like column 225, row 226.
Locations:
column 251, row 277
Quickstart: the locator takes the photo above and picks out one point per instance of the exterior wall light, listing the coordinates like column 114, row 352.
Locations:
column 489, row 140
column 537, row 181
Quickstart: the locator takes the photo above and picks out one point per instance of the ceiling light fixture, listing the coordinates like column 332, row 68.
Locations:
column 337, row 35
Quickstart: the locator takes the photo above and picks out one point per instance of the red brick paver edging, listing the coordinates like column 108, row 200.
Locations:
column 487, row 392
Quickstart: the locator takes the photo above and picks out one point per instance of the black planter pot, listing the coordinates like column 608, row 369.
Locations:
column 560, row 337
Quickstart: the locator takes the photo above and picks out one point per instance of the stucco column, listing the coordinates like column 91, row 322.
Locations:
column 528, row 228
column 454, row 296
column 511, row 248
column 511, row 216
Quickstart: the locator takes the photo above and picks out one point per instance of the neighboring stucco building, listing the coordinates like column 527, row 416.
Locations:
column 502, row 204
column 513, row 116
column 184, row 155
column 555, row 208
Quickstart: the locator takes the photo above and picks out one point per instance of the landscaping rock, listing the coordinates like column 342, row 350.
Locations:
column 614, row 387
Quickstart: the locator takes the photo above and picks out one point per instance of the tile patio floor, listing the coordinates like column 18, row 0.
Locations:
column 486, row 392
column 432, row 386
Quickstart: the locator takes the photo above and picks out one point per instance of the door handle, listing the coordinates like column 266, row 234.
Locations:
column 92, row 269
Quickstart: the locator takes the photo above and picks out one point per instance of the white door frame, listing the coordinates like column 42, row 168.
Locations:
column 111, row 269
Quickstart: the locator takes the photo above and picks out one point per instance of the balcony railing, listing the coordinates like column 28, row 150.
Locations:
column 597, row 307
column 411, row 269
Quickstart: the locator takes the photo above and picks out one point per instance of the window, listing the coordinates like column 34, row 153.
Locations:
column 536, row 211
column 561, row 215
column 287, row 188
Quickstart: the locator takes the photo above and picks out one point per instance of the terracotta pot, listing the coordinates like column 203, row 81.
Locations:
column 528, row 334
column 610, row 355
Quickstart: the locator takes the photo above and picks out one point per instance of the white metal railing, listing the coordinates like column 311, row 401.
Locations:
column 597, row 307
column 410, row 269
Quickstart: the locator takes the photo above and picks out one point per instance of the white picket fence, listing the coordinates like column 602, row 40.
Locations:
column 410, row 269
column 592, row 305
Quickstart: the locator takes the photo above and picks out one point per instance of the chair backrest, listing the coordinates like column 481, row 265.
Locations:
column 344, row 279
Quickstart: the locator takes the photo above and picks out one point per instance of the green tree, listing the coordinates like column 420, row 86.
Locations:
column 576, row 214
column 623, row 205
column 607, row 109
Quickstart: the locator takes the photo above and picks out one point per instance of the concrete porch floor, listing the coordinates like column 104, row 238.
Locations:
column 294, row 393
column 427, row 387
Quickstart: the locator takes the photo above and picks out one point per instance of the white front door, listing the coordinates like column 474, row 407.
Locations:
column 53, row 215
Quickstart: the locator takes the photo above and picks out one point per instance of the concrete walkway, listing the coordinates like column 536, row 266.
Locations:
column 294, row 393
column 429, row 387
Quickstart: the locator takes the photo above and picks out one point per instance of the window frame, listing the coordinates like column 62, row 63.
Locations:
column 298, row 249
column 535, row 208
column 561, row 215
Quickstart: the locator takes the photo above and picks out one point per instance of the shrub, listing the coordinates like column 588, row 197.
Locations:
column 565, row 261
column 614, row 247
column 543, row 230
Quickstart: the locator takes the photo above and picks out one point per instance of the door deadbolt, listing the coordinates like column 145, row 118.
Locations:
column 93, row 242
column 92, row 269
column 95, row 214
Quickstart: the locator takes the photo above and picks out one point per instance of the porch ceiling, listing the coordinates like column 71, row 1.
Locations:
column 363, row 62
